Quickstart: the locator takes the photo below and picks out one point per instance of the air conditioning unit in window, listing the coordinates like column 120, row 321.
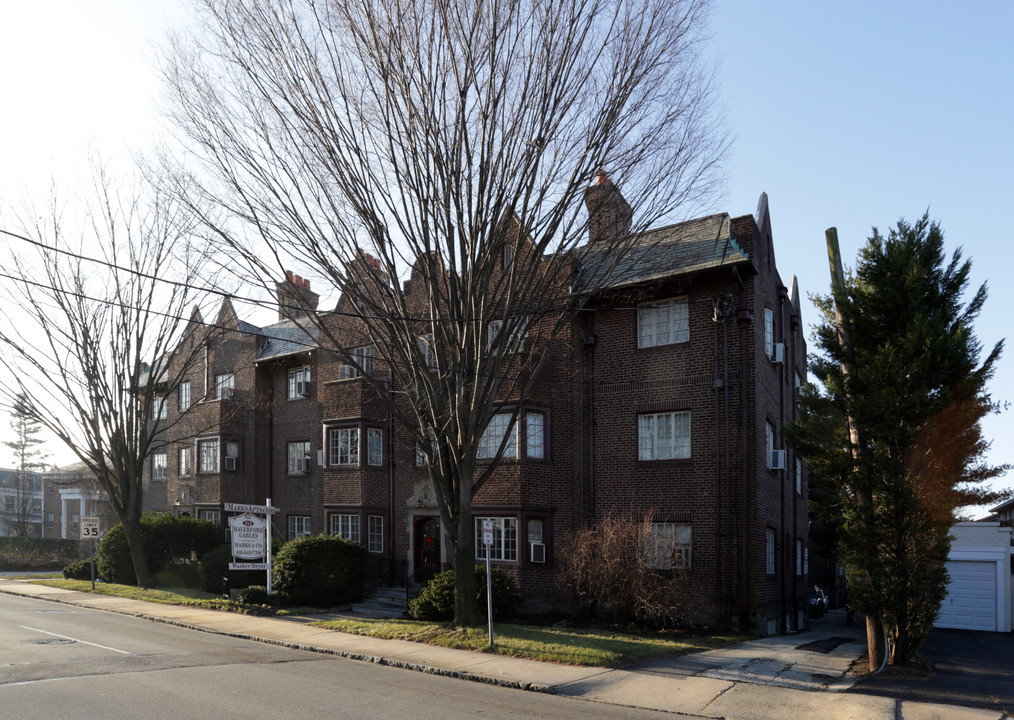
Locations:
column 303, row 388
column 537, row 552
column 778, row 353
column 303, row 465
column 777, row 460
column 228, row 393
column 231, row 462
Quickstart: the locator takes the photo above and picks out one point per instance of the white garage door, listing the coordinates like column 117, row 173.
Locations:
column 971, row 597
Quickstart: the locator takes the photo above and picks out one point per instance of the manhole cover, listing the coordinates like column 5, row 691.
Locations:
column 52, row 641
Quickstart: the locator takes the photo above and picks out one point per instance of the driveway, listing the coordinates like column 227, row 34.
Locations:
column 959, row 667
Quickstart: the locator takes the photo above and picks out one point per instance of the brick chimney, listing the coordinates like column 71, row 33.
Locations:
column 609, row 214
column 295, row 296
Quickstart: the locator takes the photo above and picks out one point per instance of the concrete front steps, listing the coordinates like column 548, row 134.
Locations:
column 385, row 602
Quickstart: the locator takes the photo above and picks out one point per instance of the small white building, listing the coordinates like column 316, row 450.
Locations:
column 979, row 594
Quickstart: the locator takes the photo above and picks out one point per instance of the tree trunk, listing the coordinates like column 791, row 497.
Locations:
column 132, row 529
column 466, row 609
column 875, row 641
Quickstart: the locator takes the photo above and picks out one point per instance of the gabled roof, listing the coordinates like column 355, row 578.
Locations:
column 662, row 252
column 286, row 338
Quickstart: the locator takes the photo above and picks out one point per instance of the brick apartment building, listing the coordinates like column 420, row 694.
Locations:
column 666, row 397
column 51, row 503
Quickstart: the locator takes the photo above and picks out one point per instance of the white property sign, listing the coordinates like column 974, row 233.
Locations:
column 251, row 537
column 249, row 540
column 487, row 532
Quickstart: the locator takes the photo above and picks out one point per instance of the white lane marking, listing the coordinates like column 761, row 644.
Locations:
column 67, row 637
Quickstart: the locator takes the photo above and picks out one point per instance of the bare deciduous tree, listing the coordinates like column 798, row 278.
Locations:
column 453, row 142
column 91, row 297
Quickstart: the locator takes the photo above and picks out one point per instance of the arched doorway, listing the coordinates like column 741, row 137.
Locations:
column 427, row 548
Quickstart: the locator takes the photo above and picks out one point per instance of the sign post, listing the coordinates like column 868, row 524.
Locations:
column 90, row 531
column 251, row 537
column 487, row 540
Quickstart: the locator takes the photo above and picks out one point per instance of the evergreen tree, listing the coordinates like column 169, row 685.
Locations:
column 28, row 460
column 915, row 390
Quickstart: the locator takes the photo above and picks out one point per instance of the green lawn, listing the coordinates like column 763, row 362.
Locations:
column 571, row 646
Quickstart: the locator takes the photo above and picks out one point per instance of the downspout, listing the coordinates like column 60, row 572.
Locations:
column 271, row 438
column 718, row 384
column 797, row 477
column 779, row 383
column 744, row 318
column 727, row 606
column 589, row 343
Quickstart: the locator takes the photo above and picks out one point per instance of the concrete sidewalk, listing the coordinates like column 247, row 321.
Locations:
column 792, row 676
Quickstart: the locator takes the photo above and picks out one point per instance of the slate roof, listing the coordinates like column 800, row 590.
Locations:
column 689, row 246
column 286, row 338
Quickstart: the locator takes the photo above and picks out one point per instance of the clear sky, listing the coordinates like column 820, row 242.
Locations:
column 847, row 114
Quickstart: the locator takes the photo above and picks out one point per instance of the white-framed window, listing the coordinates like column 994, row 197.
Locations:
column 799, row 557
column 799, row 476
column 160, row 408
column 425, row 345
column 232, row 455
column 375, row 533
column 663, row 436
column 535, row 435
column 519, row 334
column 422, row 454
column 492, row 436
column 225, row 386
column 184, row 395
column 298, row 383
column 668, row 546
column 663, row 323
column 799, row 387
column 363, row 357
column 345, row 526
column 208, row 455
column 212, row 516
column 343, row 446
column 299, row 525
column 536, row 540
column 298, row 454
column 769, row 441
column 374, row 446
column 185, row 462
column 769, row 332
column 769, row 551
column 159, row 466
column 505, row 539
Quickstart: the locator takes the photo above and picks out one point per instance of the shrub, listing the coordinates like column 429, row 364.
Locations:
column 179, row 575
column 319, row 570
column 19, row 553
column 256, row 595
column 112, row 559
column 436, row 601
column 166, row 539
column 79, row 570
column 215, row 566
column 607, row 567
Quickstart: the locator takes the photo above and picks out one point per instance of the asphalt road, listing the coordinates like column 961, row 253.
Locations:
column 58, row 661
column 959, row 667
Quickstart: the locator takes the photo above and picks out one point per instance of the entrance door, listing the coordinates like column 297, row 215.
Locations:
column 427, row 548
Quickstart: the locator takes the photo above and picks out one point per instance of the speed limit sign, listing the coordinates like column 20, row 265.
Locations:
column 89, row 527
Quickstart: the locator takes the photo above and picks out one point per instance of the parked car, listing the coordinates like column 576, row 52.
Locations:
column 818, row 602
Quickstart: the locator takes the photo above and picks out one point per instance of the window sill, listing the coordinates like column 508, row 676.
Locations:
column 666, row 461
